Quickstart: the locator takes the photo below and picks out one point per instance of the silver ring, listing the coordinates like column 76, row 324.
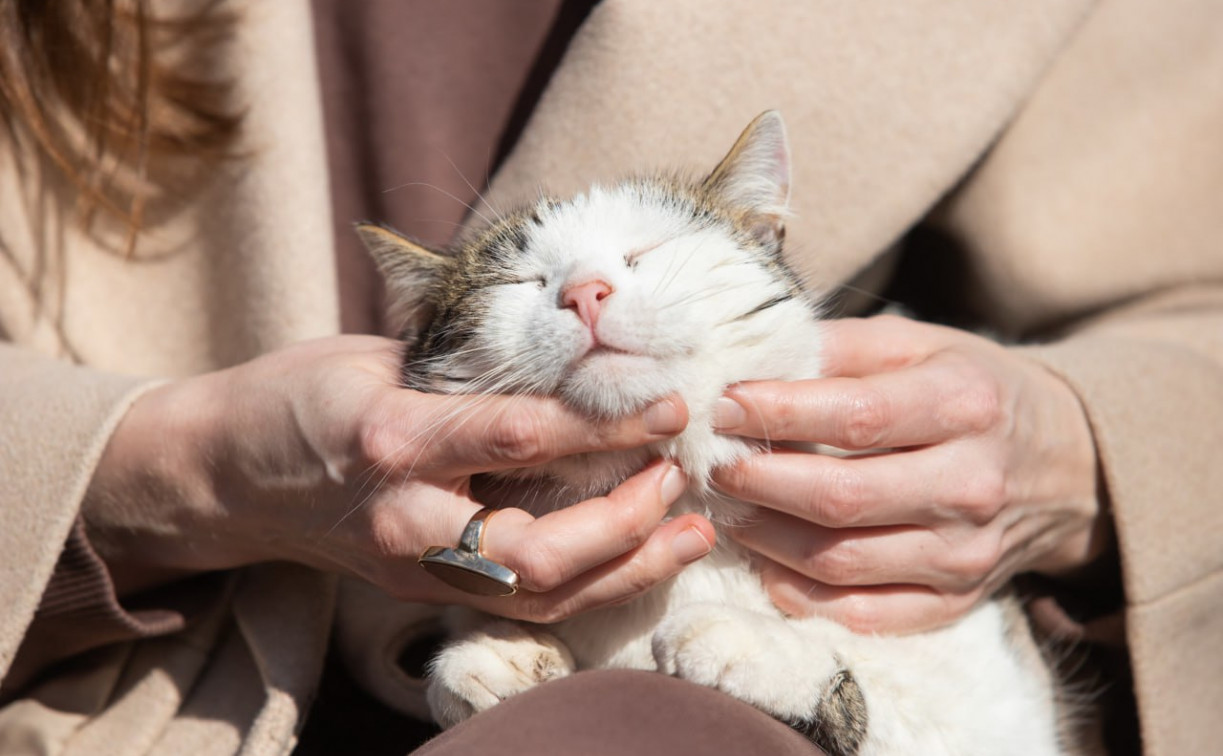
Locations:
column 465, row 567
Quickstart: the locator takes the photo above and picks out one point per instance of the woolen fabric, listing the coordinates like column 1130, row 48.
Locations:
column 1068, row 152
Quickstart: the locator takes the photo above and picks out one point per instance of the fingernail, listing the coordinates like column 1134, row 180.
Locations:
column 690, row 545
column 664, row 418
column 673, row 484
column 728, row 414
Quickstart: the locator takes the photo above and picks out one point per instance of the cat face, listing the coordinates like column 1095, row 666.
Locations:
column 616, row 297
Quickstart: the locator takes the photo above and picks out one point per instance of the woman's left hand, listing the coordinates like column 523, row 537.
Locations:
column 978, row 464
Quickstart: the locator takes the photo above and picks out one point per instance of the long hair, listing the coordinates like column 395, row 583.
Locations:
column 108, row 93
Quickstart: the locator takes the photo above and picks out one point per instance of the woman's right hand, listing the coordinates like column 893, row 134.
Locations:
column 316, row 454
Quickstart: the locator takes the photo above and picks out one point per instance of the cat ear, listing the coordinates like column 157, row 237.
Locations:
column 410, row 272
column 755, row 176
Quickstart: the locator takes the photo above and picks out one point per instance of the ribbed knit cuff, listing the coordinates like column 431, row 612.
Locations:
column 80, row 611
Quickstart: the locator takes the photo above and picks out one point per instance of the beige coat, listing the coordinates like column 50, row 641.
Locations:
column 1073, row 151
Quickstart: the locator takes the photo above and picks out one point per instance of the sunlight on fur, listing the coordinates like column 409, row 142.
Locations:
column 610, row 300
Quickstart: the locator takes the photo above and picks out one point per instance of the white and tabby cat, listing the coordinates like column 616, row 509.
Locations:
column 660, row 285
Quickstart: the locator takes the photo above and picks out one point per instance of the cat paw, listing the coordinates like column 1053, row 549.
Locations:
column 759, row 659
column 489, row 665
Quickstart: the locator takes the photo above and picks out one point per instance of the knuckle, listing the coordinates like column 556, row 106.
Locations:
column 838, row 565
column 517, row 437
column 550, row 612
column 634, row 582
column 979, row 408
column 891, row 320
column 378, row 443
column 866, row 421
column 790, row 603
column 840, row 498
column 541, row 608
column 972, row 565
column 975, row 404
column 785, row 417
column 985, row 494
column 384, row 535
column 956, row 605
column 734, row 478
column 630, row 522
column 543, row 570
column 860, row 614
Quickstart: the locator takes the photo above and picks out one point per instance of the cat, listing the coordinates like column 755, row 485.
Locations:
column 665, row 284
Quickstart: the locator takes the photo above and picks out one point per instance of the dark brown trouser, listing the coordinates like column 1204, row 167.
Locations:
column 620, row 713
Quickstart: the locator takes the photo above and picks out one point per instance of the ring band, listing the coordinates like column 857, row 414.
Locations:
column 465, row 567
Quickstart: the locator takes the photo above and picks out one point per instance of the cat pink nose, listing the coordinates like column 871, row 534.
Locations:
column 586, row 299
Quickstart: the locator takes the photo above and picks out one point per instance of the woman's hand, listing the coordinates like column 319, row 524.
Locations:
column 315, row 454
column 977, row 464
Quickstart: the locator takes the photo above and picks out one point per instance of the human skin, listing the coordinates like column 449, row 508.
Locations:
column 976, row 464
column 315, row 454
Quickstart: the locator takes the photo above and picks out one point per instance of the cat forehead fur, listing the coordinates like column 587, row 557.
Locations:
column 638, row 211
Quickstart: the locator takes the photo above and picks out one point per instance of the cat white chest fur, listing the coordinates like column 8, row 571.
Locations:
column 656, row 286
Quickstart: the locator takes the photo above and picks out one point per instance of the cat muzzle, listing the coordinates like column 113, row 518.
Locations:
column 465, row 567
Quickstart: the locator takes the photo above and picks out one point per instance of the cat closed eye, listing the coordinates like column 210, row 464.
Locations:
column 632, row 259
column 540, row 281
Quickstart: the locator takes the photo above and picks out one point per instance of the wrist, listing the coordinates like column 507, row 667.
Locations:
column 1082, row 529
column 151, row 500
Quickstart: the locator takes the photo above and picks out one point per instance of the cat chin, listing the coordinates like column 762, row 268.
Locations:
column 617, row 385
column 566, row 481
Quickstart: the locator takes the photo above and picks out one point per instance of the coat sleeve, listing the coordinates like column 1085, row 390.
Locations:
column 1095, row 225
column 1151, row 380
column 55, row 420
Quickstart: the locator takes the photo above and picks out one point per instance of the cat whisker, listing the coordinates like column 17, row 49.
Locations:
column 702, row 295
column 766, row 305
column 868, row 293
column 732, row 263
column 391, row 462
column 452, row 224
column 674, row 266
column 496, row 381
column 442, row 191
column 796, row 251
column 470, row 186
column 768, row 442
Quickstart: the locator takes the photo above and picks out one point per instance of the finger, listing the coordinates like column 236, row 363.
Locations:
column 857, row 347
column 466, row 434
column 950, row 562
column 674, row 545
column 946, row 396
column 884, row 609
column 552, row 550
column 949, row 483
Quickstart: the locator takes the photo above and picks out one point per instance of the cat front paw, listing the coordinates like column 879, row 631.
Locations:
column 759, row 659
column 489, row 665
